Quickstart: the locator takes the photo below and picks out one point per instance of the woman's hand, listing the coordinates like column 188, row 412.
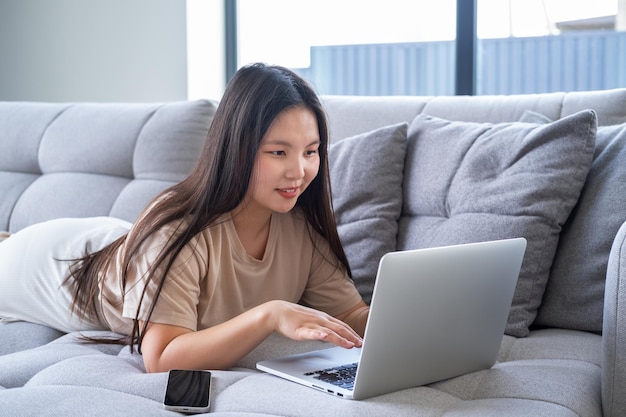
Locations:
column 302, row 323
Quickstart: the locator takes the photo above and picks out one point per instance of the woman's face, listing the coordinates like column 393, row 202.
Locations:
column 287, row 161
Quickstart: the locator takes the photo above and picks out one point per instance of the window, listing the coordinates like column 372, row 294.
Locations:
column 399, row 47
column 354, row 46
column 536, row 46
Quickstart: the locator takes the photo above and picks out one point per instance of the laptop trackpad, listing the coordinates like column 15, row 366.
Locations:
column 317, row 360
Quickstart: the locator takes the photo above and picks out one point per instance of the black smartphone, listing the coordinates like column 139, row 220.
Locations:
column 188, row 391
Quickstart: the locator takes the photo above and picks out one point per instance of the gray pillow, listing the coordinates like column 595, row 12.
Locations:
column 574, row 296
column 469, row 182
column 366, row 175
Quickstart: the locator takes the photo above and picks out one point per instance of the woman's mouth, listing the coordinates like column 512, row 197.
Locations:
column 288, row 192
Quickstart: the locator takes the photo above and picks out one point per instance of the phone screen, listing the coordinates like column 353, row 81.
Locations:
column 188, row 390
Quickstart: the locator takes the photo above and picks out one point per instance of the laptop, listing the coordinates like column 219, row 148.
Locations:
column 435, row 314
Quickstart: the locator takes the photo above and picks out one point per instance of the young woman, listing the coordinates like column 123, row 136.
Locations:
column 243, row 247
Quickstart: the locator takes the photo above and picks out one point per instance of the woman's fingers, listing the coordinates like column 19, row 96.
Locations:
column 328, row 336
column 341, row 334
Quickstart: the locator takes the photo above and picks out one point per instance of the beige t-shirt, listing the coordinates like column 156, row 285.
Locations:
column 214, row 279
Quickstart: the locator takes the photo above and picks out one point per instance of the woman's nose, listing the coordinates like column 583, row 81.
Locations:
column 296, row 168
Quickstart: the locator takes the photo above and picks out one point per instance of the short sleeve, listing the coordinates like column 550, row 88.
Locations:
column 178, row 300
column 329, row 288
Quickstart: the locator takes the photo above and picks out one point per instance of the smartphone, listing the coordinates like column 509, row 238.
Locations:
column 188, row 391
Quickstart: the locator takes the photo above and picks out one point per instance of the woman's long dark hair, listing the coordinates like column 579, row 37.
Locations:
column 253, row 99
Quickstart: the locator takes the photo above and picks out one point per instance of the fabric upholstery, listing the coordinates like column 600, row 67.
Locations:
column 468, row 182
column 614, row 330
column 109, row 379
column 108, row 158
column 575, row 290
column 350, row 116
column 607, row 104
column 366, row 175
column 18, row 336
column 533, row 117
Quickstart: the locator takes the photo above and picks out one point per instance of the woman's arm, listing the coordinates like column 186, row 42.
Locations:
column 166, row 347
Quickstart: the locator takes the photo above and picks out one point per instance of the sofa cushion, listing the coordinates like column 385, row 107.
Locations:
column 552, row 372
column 366, row 176
column 20, row 335
column 94, row 159
column 468, row 182
column 575, row 292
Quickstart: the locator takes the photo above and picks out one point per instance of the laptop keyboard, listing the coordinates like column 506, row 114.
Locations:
column 340, row 376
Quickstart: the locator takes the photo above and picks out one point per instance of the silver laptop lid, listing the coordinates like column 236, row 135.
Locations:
column 437, row 313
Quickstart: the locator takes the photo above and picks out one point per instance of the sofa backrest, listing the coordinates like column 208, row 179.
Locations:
column 350, row 115
column 111, row 159
column 93, row 159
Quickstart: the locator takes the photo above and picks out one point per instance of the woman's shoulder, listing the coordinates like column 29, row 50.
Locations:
column 164, row 235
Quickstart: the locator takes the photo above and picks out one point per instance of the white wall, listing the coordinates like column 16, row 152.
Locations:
column 93, row 50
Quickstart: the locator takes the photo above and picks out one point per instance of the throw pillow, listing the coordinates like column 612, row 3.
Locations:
column 366, row 174
column 574, row 296
column 469, row 182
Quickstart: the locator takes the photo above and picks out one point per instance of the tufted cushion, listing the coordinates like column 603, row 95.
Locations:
column 93, row 159
column 468, row 182
column 105, row 380
column 366, row 173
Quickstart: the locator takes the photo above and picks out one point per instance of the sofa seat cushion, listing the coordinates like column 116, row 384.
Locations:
column 552, row 344
column 469, row 182
column 104, row 380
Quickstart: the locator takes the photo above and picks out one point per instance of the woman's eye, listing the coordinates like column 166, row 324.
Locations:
column 312, row 152
column 277, row 153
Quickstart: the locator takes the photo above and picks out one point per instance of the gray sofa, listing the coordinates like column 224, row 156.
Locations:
column 408, row 172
